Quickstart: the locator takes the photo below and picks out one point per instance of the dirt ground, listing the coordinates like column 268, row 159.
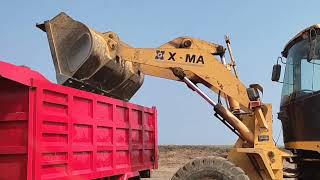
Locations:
column 172, row 157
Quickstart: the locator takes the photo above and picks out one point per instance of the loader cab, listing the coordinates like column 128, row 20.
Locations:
column 302, row 72
column 300, row 98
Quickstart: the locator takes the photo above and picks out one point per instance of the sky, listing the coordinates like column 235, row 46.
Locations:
column 258, row 31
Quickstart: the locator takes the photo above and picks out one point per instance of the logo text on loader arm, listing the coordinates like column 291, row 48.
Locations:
column 189, row 58
column 193, row 59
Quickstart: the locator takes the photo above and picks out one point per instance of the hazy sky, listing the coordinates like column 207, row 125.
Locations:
column 258, row 30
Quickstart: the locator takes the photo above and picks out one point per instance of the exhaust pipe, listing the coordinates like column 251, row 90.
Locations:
column 86, row 59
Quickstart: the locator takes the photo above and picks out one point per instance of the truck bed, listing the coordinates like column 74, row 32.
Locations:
column 49, row 131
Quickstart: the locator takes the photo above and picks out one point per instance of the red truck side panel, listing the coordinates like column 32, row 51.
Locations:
column 48, row 131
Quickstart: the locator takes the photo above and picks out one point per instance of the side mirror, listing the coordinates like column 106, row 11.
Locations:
column 276, row 71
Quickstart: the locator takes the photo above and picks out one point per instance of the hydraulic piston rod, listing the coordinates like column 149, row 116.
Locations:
column 243, row 130
column 198, row 90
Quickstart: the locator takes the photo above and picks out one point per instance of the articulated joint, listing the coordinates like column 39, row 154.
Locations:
column 178, row 72
column 220, row 51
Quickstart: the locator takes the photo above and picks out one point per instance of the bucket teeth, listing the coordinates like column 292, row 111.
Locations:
column 83, row 59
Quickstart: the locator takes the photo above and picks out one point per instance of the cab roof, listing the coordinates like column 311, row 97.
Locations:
column 298, row 38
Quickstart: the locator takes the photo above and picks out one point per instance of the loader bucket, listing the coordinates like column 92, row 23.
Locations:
column 83, row 59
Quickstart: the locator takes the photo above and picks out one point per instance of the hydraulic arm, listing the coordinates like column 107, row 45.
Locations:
column 87, row 59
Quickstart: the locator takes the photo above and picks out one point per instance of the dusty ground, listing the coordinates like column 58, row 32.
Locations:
column 172, row 157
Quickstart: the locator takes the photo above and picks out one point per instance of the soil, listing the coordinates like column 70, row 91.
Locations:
column 172, row 157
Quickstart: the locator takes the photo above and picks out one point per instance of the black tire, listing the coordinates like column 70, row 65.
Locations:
column 210, row 168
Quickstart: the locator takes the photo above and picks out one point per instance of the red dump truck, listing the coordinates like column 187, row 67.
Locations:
column 49, row 131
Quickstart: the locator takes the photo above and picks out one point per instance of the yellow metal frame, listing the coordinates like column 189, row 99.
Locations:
column 208, row 71
column 264, row 160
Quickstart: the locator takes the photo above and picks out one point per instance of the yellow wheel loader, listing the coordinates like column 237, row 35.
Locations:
column 103, row 64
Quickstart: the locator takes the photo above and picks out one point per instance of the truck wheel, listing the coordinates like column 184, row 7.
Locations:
column 210, row 168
